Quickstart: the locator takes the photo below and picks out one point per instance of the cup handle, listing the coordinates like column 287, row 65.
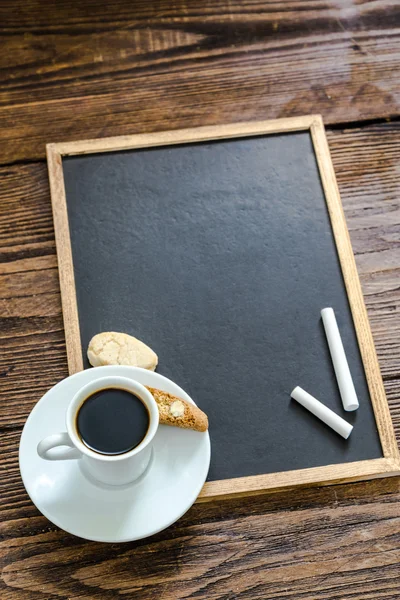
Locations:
column 52, row 442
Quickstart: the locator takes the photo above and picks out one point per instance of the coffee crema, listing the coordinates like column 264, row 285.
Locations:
column 112, row 421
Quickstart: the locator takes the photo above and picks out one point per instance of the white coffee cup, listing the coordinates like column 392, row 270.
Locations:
column 112, row 469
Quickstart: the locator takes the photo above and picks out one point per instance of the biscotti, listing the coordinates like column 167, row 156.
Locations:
column 177, row 412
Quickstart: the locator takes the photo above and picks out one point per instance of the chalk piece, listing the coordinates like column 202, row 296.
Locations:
column 340, row 364
column 321, row 411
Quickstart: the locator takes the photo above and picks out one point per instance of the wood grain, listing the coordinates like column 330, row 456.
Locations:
column 65, row 265
column 32, row 344
column 316, row 544
column 93, row 69
column 183, row 136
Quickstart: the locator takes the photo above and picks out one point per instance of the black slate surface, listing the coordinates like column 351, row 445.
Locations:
column 220, row 256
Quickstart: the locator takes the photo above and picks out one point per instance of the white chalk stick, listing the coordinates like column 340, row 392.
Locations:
column 321, row 411
column 340, row 364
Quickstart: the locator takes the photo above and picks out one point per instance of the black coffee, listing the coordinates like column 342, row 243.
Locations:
column 112, row 421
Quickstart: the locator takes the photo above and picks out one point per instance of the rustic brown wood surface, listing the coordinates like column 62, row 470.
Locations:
column 75, row 70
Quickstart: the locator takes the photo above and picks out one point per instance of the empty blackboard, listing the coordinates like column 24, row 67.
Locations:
column 219, row 247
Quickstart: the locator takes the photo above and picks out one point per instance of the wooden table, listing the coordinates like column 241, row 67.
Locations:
column 73, row 70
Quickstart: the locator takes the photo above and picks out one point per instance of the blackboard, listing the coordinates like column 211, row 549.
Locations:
column 220, row 254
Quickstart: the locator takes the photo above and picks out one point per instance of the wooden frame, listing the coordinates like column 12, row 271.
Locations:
column 243, row 486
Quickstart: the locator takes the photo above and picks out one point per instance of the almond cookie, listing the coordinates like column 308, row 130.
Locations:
column 112, row 348
column 178, row 412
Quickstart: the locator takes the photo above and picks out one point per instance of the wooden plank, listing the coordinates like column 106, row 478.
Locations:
column 65, row 266
column 183, row 136
column 32, row 345
column 320, row 543
column 91, row 71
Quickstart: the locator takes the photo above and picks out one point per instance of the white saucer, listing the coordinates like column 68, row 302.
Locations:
column 63, row 494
